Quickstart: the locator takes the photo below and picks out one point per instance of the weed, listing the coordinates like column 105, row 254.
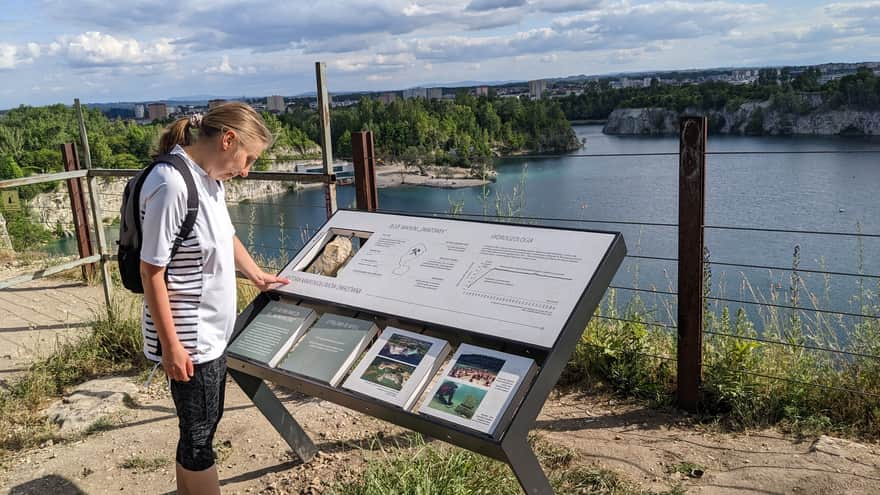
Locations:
column 144, row 464
column 688, row 469
column 416, row 467
column 113, row 346
column 104, row 423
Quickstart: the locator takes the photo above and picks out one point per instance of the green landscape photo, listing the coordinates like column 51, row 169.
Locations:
column 388, row 373
column 458, row 399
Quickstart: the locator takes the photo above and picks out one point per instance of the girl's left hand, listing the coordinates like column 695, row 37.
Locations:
column 265, row 281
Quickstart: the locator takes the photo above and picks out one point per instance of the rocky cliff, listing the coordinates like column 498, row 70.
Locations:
column 749, row 118
column 52, row 210
column 5, row 241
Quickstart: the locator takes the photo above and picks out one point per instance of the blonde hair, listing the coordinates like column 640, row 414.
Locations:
column 231, row 116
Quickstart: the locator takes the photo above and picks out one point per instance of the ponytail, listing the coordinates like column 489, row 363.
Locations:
column 179, row 132
column 236, row 116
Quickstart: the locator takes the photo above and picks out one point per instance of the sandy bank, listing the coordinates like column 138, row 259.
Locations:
column 397, row 175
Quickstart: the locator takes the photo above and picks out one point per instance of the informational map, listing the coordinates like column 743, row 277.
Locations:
column 514, row 282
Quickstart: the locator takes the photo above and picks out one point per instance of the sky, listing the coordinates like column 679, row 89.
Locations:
column 133, row 50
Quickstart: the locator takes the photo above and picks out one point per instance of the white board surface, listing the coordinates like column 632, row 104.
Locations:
column 509, row 281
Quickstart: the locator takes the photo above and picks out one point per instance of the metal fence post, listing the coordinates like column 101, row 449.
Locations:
column 96, row 207
column 78, row 207
column 326, row 137
column 693, row 132
column 364, row 170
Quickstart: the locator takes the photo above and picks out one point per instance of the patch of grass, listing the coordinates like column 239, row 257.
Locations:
column 759, row 370
column 689, row 469
column 145, row 464
column 222, row 450
column 113, row 346
column 420, row 468
column 105, row 423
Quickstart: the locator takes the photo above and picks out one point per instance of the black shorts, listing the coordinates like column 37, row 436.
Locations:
column 199, row 404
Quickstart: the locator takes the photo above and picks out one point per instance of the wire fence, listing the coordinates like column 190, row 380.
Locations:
column 275, row 261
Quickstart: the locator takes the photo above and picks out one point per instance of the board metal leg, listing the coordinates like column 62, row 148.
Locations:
column 277, row 414
column 526, row 468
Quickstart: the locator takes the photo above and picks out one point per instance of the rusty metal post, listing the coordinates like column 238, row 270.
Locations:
column 78, row 208
column 364, row 170
column 691, row 212
column 96, row 208
column 326, row 137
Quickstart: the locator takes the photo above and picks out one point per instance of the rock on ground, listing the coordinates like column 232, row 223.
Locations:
column 91, row 402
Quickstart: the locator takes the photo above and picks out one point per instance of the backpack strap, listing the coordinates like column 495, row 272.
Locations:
column 192, row 201
column 192, row 207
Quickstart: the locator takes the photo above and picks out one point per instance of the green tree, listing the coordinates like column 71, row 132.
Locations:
column 8, row 168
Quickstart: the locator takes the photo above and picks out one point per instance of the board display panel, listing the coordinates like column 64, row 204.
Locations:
column 513, row 282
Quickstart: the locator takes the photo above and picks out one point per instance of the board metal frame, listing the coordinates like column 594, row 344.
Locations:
column 510, row 442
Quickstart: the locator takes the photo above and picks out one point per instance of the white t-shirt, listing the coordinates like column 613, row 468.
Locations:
column 201, row 277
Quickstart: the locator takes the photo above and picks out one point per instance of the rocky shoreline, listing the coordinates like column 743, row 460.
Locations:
column 395, row 175
column 751, row 118
column 52, row 209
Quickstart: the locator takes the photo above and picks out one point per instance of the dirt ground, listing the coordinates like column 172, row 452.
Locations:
column 134, row 452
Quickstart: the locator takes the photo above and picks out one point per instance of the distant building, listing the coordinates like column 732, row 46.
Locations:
column 157, row 111
column 275, row 103
column 214, row 103
column 411, row 93
column 387, row 98
column 139, row 112
column 435, row 93
column 537, row 88
column 482, row 90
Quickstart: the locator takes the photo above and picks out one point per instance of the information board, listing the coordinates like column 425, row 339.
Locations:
column 514, row 282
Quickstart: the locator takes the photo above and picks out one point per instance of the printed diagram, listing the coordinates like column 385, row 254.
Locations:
column 501, row 284
column 412, row 254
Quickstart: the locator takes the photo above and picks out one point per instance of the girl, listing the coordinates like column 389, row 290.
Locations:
column 191, row 316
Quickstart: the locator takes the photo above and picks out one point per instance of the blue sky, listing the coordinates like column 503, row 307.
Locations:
column 138, row 50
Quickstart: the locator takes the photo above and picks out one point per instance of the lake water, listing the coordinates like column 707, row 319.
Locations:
column 816, row 192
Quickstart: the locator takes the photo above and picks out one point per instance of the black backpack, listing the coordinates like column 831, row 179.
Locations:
column 130, row 233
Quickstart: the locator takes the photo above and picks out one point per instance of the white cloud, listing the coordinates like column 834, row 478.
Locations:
column 94, row 48
column 226, row 68
column 8, row 58
column 665, row 20
column 12, row 56
column 382, row 62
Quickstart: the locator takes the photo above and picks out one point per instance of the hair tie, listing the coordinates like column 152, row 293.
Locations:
column 195, row 120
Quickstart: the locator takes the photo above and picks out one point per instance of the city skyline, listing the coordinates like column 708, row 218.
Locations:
column 135, row 50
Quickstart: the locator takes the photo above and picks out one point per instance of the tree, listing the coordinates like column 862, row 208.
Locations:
column 9, row 169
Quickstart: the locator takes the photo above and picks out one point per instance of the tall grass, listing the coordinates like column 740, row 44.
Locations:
column 419, row 468
column 113, row 346
column 758, row 370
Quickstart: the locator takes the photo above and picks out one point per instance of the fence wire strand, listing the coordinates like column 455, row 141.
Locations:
column 625, row 320
column 792, row 344
column 809, row 384
column 790, row 231
column 795, row 308
column 790, row 269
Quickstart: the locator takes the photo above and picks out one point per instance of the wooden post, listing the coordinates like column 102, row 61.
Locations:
column 364, row 170
column 96, row 207
column 326, row 137
column 691, row 212
column 78, row 207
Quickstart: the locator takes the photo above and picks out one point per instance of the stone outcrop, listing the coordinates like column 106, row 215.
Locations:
column 749, row 118
column 91, row 402
column 5, row 241
column 52, row 209
column 642, row 121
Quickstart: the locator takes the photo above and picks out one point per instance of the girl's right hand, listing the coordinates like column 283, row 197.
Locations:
column 177, row 363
